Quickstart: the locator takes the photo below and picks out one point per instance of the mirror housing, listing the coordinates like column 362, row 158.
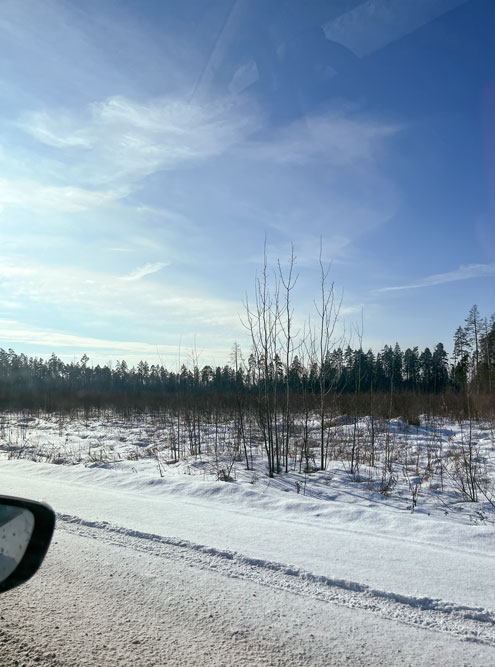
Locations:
column 32, row 547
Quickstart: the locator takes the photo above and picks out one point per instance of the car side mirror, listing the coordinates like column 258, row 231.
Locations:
column 26, row 529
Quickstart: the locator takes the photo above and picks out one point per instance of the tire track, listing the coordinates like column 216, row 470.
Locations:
column 474, row 624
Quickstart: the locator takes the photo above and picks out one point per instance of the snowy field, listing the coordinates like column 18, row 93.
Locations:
column 396, row 536
column 437, row 468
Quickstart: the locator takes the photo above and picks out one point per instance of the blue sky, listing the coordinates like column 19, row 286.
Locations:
column 148, row 148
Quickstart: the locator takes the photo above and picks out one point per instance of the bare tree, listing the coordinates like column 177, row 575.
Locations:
column 288, row 282
column 261, row 324
column 238, row 361
column 327, row 311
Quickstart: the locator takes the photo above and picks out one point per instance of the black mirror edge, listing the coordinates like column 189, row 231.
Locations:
column 44, row 525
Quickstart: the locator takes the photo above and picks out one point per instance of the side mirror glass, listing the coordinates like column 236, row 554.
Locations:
column 26, row 528
column 16, row 530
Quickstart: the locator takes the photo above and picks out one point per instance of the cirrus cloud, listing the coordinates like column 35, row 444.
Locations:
column 118, row 139
column 145, row 270
column 462, row 273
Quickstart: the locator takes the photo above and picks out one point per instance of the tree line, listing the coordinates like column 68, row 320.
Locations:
column 342, row 370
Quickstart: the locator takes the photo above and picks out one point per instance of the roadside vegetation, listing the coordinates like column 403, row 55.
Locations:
column 301, row 404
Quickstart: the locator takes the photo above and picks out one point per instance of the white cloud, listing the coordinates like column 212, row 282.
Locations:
column 129, row 140
column 171, row 217
column 244, row 76
column 7, row 304
column 34, row 196
column 131, row 303
column 47, row 341
column 18, row 332
column 14, row 271
column 321, row 175
column 462, row 273
column 332, row 138
column 145, row 270
column 61, row 134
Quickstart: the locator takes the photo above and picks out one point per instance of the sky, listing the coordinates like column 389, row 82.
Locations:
column 151, row 153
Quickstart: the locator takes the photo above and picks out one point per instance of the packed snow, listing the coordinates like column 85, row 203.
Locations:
column 417, row 551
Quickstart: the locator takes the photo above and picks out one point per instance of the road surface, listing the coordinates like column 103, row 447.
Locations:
column 108, row 597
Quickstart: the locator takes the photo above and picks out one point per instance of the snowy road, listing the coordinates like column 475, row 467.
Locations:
column 411, row 555
column 155, row 572
column 107, row 597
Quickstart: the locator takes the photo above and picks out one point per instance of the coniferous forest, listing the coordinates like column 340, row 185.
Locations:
column 283, row 398
column 300, row 377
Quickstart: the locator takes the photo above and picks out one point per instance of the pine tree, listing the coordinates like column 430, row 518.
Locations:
column 426, row 366
column 461, row 344
column 411, row 367
column 397, row 367
column 371, row 370
column 472, row 329
column 487, row 352
column 440, row 371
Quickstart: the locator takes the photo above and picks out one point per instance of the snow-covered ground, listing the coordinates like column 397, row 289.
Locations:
column 339, row 539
